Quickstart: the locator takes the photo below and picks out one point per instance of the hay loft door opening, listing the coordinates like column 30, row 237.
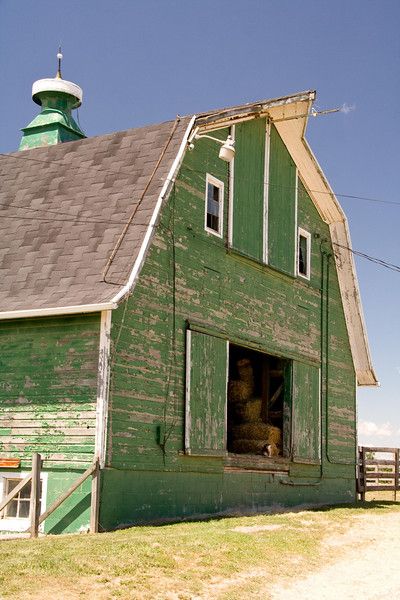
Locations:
column 258, row 403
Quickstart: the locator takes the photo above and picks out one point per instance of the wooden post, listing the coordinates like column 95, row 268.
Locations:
column 363, row 474
column 94, row 504
column 396, row 472
column 35, row 495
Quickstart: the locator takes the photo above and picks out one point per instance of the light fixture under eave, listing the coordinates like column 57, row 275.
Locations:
column 227, row 151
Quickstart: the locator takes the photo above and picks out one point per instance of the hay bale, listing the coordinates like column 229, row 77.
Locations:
column 240, row 391
column 250, row 411
column 251, row 431
column 248, row 446
column 245, row 370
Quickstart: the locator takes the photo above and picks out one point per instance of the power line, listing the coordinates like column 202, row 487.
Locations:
column 374, row 259
column 280, row 187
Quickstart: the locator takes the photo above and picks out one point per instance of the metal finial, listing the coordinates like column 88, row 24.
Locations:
column 59, row 57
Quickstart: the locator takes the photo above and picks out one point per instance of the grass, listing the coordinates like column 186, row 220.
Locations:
column 226, row 559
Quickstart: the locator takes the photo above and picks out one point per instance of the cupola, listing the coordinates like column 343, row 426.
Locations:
column 55, row 124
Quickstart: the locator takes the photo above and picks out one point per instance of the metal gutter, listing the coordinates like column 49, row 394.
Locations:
column 59, row 310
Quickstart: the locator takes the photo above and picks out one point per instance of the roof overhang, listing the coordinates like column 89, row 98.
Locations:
column 57, row 311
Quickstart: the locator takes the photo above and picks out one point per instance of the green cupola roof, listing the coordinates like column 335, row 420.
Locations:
column 54, row 124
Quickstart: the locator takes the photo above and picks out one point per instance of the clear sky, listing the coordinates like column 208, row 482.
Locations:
column 144, row 61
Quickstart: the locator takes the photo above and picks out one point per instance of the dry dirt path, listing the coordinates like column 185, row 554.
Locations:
column 367, row 566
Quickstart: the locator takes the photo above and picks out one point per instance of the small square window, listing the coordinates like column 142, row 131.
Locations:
column 303, row 253
column 214, row 202
column 18, row 508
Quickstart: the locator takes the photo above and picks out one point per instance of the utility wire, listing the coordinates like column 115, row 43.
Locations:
column 374, row 259
column 292, row 189
column 267, row 183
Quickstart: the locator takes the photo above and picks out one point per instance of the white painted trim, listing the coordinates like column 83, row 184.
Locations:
column 58, row 85
column 187, row 390
column 295, row 233
column 103, row 384
column 307, row 235
column 21, row 525
column 266, row 190
column 231, row 192
column 147, row 238
column 220, row 185
column 59, row 310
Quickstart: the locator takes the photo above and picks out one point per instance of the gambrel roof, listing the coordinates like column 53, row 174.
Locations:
column 77, row 219
column 64, row 207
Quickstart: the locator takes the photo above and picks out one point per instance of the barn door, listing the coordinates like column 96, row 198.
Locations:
column 306, row 424
column 206, row 386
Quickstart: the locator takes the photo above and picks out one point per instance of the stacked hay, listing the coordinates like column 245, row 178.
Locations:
column 242, row 389
column 251, row 435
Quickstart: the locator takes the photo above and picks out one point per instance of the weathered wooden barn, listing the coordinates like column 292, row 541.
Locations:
column 192, row 321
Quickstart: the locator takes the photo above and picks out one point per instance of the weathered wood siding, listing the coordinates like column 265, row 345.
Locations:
column 192, row 278
column 248, row 188
column 282, row 233
column 206, row 387
column 48, row 385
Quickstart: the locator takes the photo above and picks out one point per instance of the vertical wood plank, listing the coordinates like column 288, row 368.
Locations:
column 281, row 206
column 34, row 511
column 396, row 472
column 306, row 426
column 206, row 395
column 248, row 189
column 95, row 496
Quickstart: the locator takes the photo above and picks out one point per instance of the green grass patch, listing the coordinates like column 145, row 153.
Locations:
column 228, row 558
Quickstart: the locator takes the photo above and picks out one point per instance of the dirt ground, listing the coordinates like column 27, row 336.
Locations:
column 362, row 563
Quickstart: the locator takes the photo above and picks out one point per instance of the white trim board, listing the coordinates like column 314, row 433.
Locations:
column 103, row 380
column 58, row 310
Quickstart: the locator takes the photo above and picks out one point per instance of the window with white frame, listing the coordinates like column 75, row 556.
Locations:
column 303, row 253
column 15, row 516
column 214, row 205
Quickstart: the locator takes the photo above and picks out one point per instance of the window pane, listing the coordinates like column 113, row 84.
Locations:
column 26, row 491
column 303, row 267
column 213, row 207
column 12, row 508
column 23, row 509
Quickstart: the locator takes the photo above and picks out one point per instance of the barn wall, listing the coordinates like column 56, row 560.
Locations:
column 191, row 276
column 48, row 389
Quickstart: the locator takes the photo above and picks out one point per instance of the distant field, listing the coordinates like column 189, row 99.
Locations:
column 220, row 559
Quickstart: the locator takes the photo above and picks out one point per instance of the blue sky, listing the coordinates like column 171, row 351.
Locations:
column 146, row 61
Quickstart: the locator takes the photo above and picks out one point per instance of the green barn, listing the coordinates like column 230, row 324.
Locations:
column 182, row 306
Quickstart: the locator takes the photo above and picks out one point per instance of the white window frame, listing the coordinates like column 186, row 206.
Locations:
column 13, row 523
column 220, row 185
column 306, row 234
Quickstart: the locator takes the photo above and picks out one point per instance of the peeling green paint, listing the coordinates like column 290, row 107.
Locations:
column 192, row 276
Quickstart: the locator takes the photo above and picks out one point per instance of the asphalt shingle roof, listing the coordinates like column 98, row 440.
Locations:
column 64, row 207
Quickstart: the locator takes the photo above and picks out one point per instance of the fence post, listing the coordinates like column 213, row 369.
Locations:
column 364, row 474
column 396, row 472
column 35, row 495
column 94, row 504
